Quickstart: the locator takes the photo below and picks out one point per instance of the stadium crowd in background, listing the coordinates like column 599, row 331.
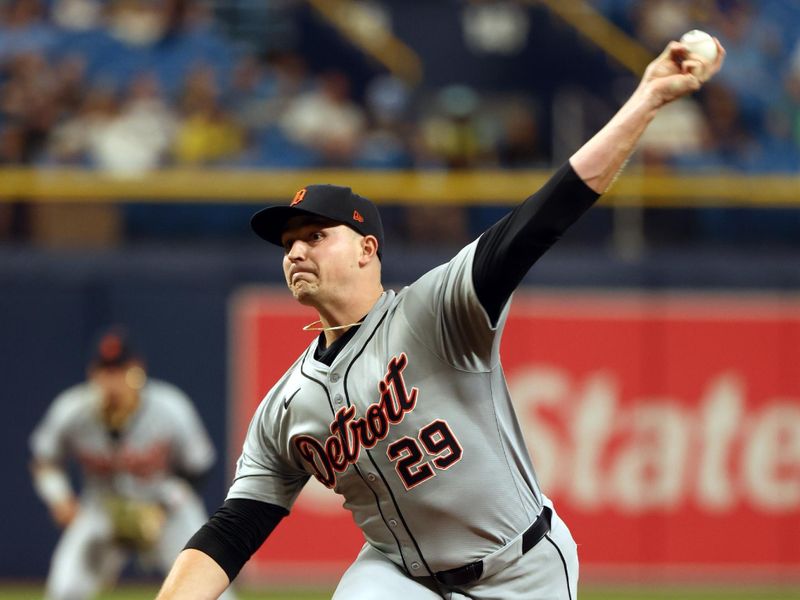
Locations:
column 129, row 86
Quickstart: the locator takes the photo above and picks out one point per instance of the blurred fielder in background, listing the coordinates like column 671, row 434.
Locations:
column 140, row 445
column 401, row 405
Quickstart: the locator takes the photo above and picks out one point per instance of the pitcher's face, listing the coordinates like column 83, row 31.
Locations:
column 321, row 260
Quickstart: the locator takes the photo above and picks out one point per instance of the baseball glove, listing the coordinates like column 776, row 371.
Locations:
column 136, row 524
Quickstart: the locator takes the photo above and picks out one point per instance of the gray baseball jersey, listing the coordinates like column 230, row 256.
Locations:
column 165, row 435
column 412, row 424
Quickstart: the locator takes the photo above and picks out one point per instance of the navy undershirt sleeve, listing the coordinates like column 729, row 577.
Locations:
column 509, row 248
column 233, row 533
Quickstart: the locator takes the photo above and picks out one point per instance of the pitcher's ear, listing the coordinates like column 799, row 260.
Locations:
column 369, row 246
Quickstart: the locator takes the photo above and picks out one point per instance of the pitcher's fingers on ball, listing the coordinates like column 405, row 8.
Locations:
column 698, row 68
column 677, row 53
column 721, row 54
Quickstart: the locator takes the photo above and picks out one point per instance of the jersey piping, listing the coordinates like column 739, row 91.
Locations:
column 374, row 464
column 563, row 562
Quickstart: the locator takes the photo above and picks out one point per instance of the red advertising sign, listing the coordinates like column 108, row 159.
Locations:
column 665, row 428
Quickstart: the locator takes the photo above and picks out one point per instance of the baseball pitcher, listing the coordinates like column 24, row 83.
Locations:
column 400, row 404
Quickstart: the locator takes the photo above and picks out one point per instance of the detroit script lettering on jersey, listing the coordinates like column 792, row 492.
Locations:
column 349, row 434
column 145, row 463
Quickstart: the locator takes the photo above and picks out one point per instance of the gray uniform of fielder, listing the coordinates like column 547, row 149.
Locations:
column 165, row 435
column 409, row 412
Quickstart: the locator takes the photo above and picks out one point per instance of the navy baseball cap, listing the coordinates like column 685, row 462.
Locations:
column 329, row 201
column 113, row 348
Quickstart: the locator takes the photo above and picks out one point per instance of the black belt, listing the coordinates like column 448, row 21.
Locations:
column 473, row 571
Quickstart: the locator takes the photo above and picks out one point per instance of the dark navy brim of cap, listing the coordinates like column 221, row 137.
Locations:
column 269, row 223
column 117, row 362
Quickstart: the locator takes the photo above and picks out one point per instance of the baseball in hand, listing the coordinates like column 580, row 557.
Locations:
column 700, row 43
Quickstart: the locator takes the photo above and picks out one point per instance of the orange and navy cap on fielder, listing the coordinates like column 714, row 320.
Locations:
column 113, row 348
column 330, row 201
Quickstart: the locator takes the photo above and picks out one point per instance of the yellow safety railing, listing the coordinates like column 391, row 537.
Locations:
column 634, row 188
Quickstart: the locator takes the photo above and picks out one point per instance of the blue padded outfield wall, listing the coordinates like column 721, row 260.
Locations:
column 175, row 302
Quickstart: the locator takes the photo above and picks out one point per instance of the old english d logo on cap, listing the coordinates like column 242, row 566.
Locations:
column 357, row 216
column 298, row 197
column 110, row 348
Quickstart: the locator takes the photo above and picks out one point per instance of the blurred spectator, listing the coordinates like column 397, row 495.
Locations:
column 386, row 142
column 729, row 132
column 326, row 119
column 138, row 22
column 12, row 145
column 451, row 133
column 777, row 144
column 207, row 134
column 78, row 138
column 261, row 91
column 678, row 131
column 273, row 146
column 77, row 15
column 23, row 29
column 137, row 139
column 754, row 45
column 69, row 74
column 659, row 21
column 520, row 144
column 253, row 89
column 28, row 101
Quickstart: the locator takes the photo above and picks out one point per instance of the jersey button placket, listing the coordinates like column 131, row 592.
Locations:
column 410, row 557
column 338, row 399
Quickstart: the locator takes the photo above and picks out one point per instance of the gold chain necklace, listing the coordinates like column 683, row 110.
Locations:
column 311, row 326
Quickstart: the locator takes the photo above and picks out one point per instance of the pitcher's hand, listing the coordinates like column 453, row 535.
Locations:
column 676, row 73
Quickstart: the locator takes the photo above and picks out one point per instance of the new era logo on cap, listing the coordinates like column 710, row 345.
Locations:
column 330, row 201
